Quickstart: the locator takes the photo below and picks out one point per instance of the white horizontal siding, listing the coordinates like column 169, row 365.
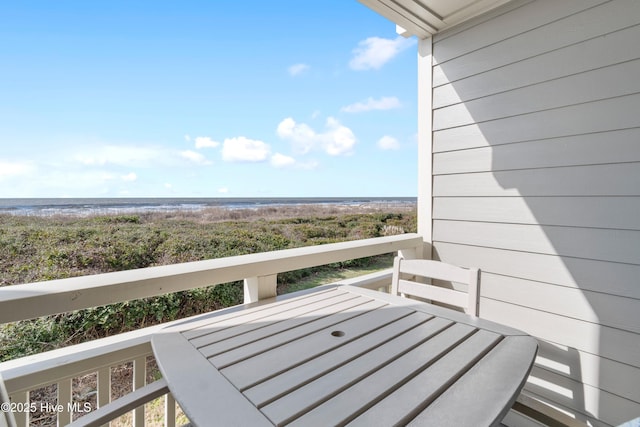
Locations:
column 566, row 91
column 588, row 306
column 622, row 179
column 577, row 150
column 598, row 276
column 588, row 243
column 561, row 211
column 536, row 181
column 582, row 119
column 617, row 47
column 588, row 337
column 536, row 38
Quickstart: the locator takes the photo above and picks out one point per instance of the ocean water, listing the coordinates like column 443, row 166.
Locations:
column 107, row 206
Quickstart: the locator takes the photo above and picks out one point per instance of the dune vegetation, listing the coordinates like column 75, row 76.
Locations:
column 36, row 249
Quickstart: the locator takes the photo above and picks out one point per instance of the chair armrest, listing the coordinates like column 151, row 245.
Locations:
column 123, row 405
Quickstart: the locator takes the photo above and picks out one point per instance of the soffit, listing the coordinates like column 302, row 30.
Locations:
column 424, row 18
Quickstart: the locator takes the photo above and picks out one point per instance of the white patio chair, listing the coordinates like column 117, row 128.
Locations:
column 406, row 271
column 100, row 416
column 122, row 405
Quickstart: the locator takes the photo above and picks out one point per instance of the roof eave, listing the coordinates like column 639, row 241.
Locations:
column 424, row 18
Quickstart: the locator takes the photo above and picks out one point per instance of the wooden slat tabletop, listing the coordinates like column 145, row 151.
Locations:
column 343, row 355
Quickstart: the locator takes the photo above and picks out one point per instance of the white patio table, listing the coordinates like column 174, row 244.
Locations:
column 341, row 355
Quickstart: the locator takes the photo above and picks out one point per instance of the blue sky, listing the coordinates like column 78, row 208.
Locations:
column 205, row 99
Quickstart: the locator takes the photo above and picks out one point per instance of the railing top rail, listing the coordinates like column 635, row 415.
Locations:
column 20, row 302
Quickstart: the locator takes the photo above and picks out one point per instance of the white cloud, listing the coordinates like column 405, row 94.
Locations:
column 223, row 190
column 336, row 140
column 281, row 161
column 194, row 157
column 130, row 177
column 206, row 142
column 388, row 143
column 297, row 69
column 243, row 149
column 302, row 136
column 187, row 137
column 384, row 103
column 374, row 52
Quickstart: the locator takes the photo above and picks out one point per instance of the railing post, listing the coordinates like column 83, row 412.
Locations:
column 31, row 300
column 261, row 287
column 416, row 252
column 64, row 399
column 36, row 299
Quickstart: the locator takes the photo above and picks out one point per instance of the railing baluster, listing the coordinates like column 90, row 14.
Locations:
column 104, row 388
column 22, row 418
column 64, row 399
column 169, row 411
column 139, row 376
column 262, row 270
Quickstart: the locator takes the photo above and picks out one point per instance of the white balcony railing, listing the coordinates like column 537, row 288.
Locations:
column 61, row 366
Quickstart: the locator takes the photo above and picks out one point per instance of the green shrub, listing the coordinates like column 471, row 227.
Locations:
column 34, row 249
column 29, row 337
column 118, row 219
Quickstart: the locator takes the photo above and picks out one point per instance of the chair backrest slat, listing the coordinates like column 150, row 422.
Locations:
column 403, row 285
